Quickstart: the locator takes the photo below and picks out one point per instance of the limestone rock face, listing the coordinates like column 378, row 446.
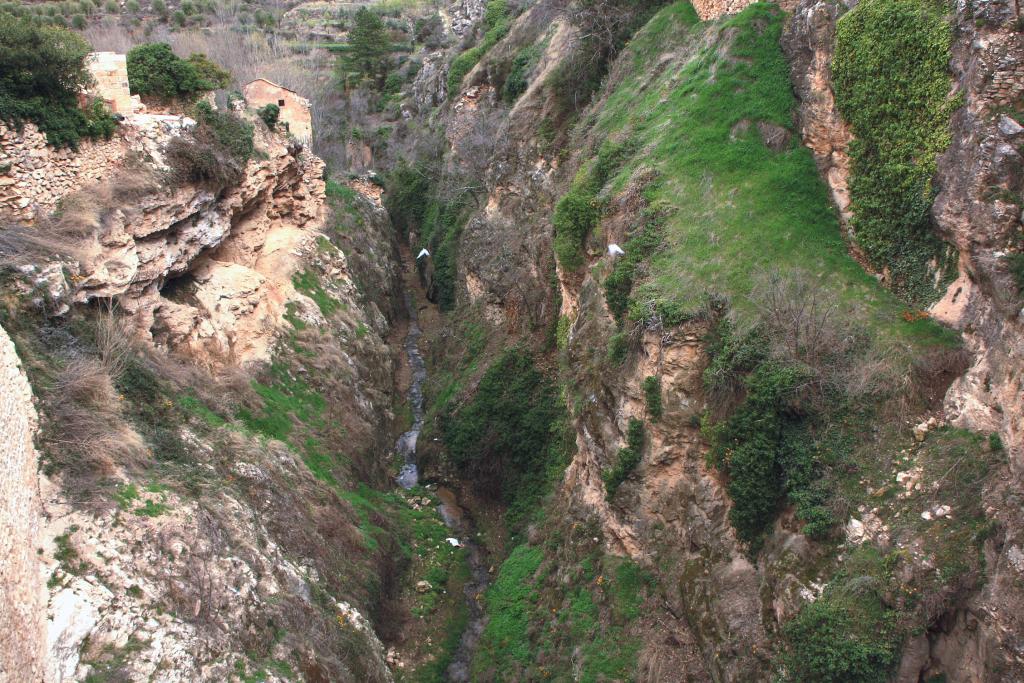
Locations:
column 809, row 42
column 210, row 275
column 22, row 597
column 980, row 183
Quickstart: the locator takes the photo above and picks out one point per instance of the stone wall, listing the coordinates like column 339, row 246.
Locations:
column 109, row 71
column 712, row 9
column 34, row 176
column 22, row 598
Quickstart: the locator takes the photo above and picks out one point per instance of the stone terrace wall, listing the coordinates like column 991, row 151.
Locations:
column 34, row 176
column 22, row 598
column 712, row 9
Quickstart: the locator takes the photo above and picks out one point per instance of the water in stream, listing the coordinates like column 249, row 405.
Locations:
column 455, row 517
column 409, row 475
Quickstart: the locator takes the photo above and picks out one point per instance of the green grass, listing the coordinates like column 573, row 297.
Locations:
column 508, row 605
column 309, row 284
column 720, row 185
column 541, row 628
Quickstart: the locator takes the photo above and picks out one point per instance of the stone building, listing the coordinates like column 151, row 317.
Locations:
column 295, row 114
column 109, row 70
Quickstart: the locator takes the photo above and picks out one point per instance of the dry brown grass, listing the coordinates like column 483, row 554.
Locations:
column 69, row 233
column 87, row 435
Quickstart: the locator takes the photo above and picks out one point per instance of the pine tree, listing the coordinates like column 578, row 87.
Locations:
column 368, row 47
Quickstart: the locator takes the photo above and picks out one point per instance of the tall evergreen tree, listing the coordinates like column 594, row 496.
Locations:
column 368, row 47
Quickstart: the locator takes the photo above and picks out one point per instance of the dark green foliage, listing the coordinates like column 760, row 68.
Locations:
column 216, row 153
column 1015, row 263
column 618, row 347
column 209, row 71
column 368, row 47
column 510, row 436
column 766, row 444
column 42, row 70
column 995, row 442
column 848, row 634
column 892, row 83
column 576, row 214
column 269, row 114
column 629, row 458
column 652, row 394
column 496, row 24
column 153, row 69
column 413, row 205
column 406, row 196
column 619, row 284
column 518, row 78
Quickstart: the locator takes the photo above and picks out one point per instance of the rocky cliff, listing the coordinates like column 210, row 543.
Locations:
column 194, row 521
column 721, row 347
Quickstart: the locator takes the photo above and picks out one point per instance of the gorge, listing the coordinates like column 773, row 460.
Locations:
column 380, row 404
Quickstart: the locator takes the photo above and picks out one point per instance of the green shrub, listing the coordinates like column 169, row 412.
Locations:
column 629, row 458
column 153, row 69
column 496, row 23
column 510, row 436
column 995, row 442
column 42, row 70
column 406, row 196
column 518, row 79
column 765, row 443
column 269, row 114
column 78, row 21
column 576, row 214
column 848, row 634
column 217, row 150
column 618, row 347
column 892, row 83
column 652, row 394
column 209, row 71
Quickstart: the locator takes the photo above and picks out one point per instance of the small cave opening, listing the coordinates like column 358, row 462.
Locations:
column 180, row 289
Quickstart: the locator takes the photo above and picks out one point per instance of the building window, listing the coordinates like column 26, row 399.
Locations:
column 280, row 103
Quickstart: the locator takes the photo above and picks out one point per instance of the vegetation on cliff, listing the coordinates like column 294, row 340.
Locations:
column 892, row 84
column 42, row 72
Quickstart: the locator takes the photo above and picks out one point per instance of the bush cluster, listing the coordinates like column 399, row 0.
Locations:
column 629, row 458
column 42, row 70
column 510, row 436
column 848, row 634
column 641, row 245
column 766, row 444
column 217, row 150
column 414, row 206
column 652, row 395
column 578, row 212
column 154, row 69
column 269, row 114
column 892, row 83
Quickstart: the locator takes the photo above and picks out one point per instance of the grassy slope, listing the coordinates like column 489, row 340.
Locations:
column 737, row 208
